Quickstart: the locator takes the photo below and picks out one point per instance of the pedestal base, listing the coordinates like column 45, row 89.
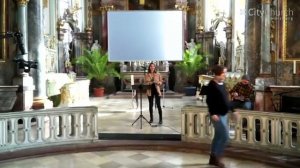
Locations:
column 7, row 97
column 263, row 99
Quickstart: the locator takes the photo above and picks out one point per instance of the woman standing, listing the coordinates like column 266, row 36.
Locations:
column 154, row 80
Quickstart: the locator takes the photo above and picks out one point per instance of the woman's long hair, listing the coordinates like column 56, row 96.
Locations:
column 149, row 71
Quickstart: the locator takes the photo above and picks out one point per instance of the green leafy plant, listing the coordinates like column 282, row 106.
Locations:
column 191, row 64
column 95, row 64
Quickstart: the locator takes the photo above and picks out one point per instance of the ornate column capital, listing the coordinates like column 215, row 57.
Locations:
column 106, row 8
column 89, row 35
column 266, row 1
column 22, row 2
column 182, row 6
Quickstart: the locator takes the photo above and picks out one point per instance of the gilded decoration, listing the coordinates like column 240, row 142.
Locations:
column 266, row 1
column 3, row 28
column 22, row 2
column 182, row 6
column 89, row 14
column 199, row 16
column 290, row 21
column 45, row 3
column 106, row 8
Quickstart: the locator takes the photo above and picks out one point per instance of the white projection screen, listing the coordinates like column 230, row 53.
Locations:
column 145, row 36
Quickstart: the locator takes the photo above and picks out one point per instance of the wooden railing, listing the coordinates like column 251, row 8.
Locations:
column 269, row 131
column 28, row 129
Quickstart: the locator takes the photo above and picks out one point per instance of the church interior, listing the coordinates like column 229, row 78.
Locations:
column 61, row 92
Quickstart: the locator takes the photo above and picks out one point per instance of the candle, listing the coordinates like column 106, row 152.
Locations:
column 132, row 79
column 294, row 67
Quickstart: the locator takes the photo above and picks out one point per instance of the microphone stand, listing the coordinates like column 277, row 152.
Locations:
column 163, row 96
column 140, row 87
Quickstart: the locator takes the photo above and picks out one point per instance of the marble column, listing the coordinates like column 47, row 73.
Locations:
column 37, row 48
column 252, row 40
column 265, row 60
column 23, row 80
column 22, row 25
column 3, row 28
column 263, row 98
column 200, row 14
column 104, row 34
column 183, row 6
column 228, row 54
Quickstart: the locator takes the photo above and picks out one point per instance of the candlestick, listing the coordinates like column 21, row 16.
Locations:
column 132, row 79
column 294, row 67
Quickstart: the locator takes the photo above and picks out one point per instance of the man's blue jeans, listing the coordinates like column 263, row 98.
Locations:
column 247, row 105
column 221, row 136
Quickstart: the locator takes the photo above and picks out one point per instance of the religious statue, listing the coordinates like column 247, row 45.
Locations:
column 239, row 55
column 67, row 42
column 96, row 46
column 191, row 45
column 222, row 57
column 217, row 20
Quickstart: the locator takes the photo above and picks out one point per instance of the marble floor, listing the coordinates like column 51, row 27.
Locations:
column 116, row 115
column 127, row 159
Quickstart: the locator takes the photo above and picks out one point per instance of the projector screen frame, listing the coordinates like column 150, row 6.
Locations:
column 130, row 42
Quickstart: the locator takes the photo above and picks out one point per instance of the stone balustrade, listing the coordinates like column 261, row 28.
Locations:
column 269, row 131
column 39, row 128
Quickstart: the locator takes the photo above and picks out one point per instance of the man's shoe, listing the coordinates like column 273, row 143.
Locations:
column 216, row 161
column 151, row 121
column 212, row 160
column 160, row 122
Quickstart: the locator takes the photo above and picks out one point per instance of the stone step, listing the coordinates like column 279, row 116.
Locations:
column 128, row 94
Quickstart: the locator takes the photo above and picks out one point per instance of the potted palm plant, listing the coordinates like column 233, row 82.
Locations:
column 192, row 63
column 95, row 64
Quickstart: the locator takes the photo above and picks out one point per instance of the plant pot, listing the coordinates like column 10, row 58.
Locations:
column 98, row 92
column 190, row 91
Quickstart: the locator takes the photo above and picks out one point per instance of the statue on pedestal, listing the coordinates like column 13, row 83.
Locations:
column 96, row 46
column 191, row 45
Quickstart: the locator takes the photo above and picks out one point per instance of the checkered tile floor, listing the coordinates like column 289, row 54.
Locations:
column 126, row 159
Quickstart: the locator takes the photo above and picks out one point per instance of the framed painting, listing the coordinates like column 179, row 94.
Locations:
column 290, row 30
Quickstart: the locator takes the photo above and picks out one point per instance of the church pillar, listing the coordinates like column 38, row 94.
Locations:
column 200, row 13
column 252, row 42
column 37, row 51
column 22, row 25
column 23, row 80
column 104, row 9
column 228, row 54
column 183, row 6
column 89, row 24
column 265, row 60
column 263, row 98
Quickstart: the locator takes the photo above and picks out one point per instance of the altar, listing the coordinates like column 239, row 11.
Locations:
column 278, row 98
column 133, row 78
